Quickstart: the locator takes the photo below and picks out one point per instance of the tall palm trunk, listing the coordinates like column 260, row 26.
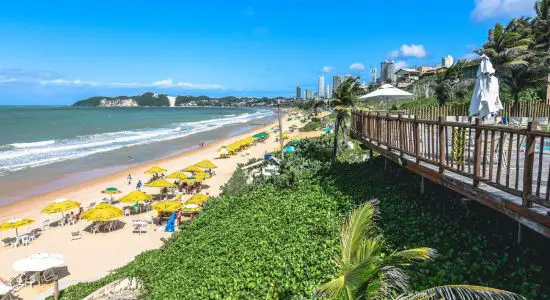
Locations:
column 336, row 129
column 548, row 91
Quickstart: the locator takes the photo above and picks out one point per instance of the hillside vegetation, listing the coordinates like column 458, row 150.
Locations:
column 277, row 238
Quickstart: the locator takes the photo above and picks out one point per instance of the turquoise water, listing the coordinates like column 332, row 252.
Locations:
column 35, row 136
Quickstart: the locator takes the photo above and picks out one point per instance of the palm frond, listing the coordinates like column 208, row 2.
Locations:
column 358, row 226
column 462, row 292
column 406, row 257
column 332, row 288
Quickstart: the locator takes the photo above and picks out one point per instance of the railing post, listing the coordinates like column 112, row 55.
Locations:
column 528, row 165
column 400, row 132
column 367, row 124
column 477, row 152
column 442, row 144
column 416, row 139
column 378, row 128
column 388, row 131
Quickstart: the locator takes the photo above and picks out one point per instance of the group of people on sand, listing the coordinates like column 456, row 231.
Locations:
column 72, row 218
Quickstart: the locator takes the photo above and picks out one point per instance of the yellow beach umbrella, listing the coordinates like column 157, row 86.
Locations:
column 160, row 183
column 136, row 196
column 177, row 175
column 192, row 208
column 102, row 212
column 202, row 175
column 155, row 170
column 192, row 169
column 197, row 199
column 60, row 206
column 206, row 164
column 192, row 180
column 16, row 223
column 167, row 206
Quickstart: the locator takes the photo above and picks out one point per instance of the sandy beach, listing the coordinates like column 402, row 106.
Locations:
column 95, row 255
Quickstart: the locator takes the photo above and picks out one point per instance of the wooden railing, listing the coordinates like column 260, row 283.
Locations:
column 516, row 161
column 530, row 109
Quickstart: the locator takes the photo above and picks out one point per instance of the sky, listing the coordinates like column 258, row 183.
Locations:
column 58, row 52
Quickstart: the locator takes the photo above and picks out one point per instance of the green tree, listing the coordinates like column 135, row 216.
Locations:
column 510, row 49
column 368, row 271
column 541, row 30
column 451, row 84
column 345, row 98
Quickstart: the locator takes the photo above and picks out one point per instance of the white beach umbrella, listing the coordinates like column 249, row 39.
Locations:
column 387, row 93
column 4, row 289
column 486, row 99
column 38, row 262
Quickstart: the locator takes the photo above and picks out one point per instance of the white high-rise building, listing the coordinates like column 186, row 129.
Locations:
column 321, row 86
column 387, row 70
column 328, row 93
column 447, row 61
column 374, row 75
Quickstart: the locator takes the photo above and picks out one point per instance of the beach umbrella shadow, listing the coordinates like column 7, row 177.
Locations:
column 61, row 272
column 118, row 225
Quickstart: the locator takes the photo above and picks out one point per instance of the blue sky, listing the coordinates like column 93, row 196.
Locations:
column 57, row 52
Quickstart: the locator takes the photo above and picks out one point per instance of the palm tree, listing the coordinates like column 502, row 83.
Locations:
column 345, row 99
column 367, row 271
column 541, row 29
column 511, row 51
column 451, row 84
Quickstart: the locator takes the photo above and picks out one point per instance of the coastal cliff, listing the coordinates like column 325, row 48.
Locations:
column 146, row 99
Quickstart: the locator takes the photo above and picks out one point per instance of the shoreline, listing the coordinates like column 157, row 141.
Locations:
column 15, row 209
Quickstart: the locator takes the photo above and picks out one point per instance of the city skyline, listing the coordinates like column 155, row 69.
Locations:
column 54, row 54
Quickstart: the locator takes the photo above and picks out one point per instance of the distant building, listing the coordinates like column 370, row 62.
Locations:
column 328, row 93
column 309, row 94
column 336, row 81
column 298, row 93
column 447, row 61
column 387, row 71
column 424, row 69
column 374, row 75
column 321, row 88
column 405, row 77
column 316, row 95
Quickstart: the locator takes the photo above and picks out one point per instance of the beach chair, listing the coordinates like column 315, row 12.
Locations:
column 17, row 282
column 48, row 276
column 46, row 224
column 109, row 227
column 76, row 235
column 15, row 242
column 34, row 279
column 95, row 228
column 127, row 212
column 25, row 240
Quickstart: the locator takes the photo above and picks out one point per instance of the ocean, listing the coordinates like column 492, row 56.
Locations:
column 44, row 144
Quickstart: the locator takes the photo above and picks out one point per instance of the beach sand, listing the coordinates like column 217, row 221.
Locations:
column 95, row 255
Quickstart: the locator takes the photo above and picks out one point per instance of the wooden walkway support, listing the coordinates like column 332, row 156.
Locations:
column 507, row 169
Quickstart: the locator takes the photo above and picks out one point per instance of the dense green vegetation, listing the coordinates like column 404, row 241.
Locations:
column 278, row 238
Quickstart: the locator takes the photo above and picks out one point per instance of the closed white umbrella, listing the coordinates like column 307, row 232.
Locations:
column 38, row 262
column 387, row 93
column 485, row 99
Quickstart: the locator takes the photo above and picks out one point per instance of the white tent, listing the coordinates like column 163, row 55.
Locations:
column 387, row 93
column 38, row 262
column 486, row 99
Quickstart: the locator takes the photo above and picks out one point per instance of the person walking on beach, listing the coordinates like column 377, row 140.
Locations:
column 138, row 186
column 129, row 179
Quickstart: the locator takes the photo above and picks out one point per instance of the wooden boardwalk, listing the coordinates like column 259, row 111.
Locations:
column 507, row 169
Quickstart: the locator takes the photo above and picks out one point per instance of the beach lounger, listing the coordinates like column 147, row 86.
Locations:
column 48, row 276
column 76, row 235
column 109, row 227
column 17, row 282
column 34, row 279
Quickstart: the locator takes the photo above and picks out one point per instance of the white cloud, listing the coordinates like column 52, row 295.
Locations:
column 400, row 65
column 164, row 83
column 413, row 50
column 7, row 80
column 488, row 9
column 357, row 67
column 327, row 69
column 394, row 54
column 199, row 86
column 76, row 82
